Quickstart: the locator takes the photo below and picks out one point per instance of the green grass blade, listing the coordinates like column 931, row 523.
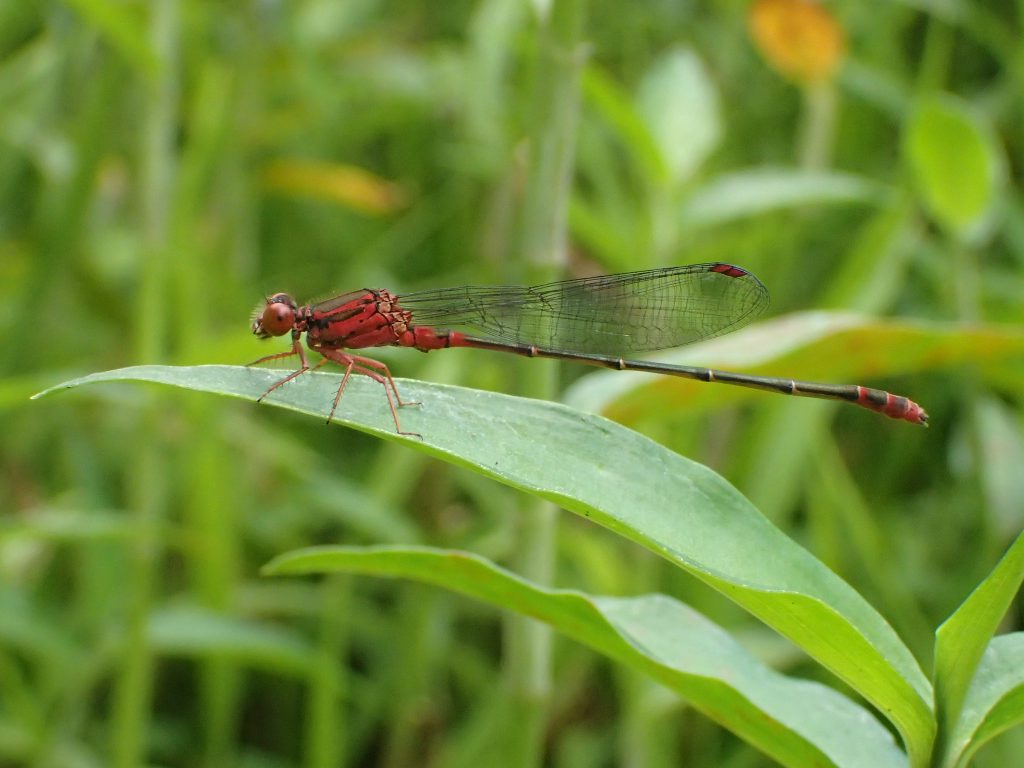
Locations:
column 742, row 194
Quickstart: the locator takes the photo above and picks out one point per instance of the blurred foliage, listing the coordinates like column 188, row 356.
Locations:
column 166, row 164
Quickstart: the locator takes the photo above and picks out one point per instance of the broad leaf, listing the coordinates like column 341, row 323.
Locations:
column 630, row 484
column 956, row 163
column 797, row 722
column 995, row 701
column 962, row 639
column 679, row 103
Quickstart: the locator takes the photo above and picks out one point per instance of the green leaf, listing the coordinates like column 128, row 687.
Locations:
column 999, row 438
column 679, row 103
column 67, row 525
column 613, row 103
column 797, row 722
column 961, row 640
column 995, row 701
column 631, row 485
column 27, row 631
column 956, row 164
column 750, row 193
column 123, row 28
column 193, row 631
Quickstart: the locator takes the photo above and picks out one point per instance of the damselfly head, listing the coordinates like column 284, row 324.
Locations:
column 275, row 317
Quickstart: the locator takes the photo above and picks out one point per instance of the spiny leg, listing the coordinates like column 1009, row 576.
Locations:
column 268, row 358
column 365, row 366
column 289, row 377
column 341, row 389
column 369, row 362
column 295, row 350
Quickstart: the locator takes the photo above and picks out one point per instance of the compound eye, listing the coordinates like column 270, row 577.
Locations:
column 278, row 317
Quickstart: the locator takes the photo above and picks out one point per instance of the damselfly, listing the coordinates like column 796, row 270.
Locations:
column 594, row 320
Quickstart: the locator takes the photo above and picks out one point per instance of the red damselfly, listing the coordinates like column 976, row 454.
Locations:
column 594, row 320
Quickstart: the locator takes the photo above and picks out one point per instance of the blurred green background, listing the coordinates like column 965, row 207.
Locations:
column 165, row 165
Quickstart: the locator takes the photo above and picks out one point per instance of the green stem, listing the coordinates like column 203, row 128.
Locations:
column 133, row 689
column 933, row 71
column 326, row 730
column 545, row 212
column 552, row 143
column 817, row 133
column 209, row 521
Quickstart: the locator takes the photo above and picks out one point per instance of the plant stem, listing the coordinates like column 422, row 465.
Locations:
column 326, row 728
column 817, row 132
column 133, row 690
column 545, row 211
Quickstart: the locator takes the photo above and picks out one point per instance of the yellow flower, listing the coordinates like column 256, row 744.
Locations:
column 799, row 38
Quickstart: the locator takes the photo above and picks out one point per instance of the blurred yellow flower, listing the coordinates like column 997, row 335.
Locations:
column 342, row 184
column 799, row 38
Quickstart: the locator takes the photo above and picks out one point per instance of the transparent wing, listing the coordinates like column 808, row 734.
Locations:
column 611, row 314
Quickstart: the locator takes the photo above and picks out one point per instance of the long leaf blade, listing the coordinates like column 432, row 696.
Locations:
column 797, row 722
